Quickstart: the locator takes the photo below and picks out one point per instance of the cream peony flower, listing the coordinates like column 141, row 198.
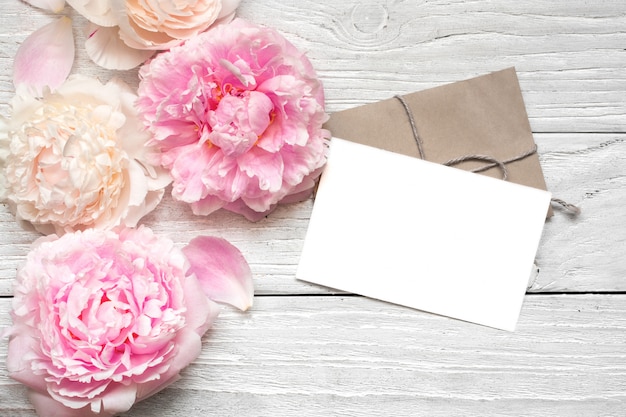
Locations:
column 124, row 33
column 77, row 159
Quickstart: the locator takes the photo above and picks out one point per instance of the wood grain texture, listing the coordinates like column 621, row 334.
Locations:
column 369, row 50
column 303, row 351
column 351, row 356
column 582, row 254
column 570, row 55
column 586, row 253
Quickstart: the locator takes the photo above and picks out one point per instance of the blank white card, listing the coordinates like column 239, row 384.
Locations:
column 423, row 235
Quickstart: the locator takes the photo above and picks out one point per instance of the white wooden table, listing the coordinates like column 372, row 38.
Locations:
column 303, row 351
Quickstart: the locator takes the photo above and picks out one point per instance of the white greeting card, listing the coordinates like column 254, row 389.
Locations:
column 423, row 235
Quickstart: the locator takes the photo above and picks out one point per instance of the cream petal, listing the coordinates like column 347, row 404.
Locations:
column 54, row 6
column 138, row 184
column 228, row 9
column 106, row 49
column 129, row 35
column 45, row 58
column 96, row 11
column 222, row 271
column 145, row 192
column 4, row 154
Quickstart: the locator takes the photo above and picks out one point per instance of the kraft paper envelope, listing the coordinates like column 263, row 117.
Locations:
column 423, row 235
column 484, row 115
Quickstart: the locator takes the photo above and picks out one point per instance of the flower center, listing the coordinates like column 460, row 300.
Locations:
column 239, row 120
column 70, row 157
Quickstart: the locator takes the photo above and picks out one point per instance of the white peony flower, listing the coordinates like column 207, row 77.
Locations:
column 77, row 158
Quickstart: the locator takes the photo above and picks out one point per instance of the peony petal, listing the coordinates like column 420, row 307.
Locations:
column 266, row 166
column 189, row 345
column 99, row 12
column 223, row 272
column 54, row 6
column 240, row 207
column 228, row 9
column 4, row 154
column 106, row 49
column 202, row 310
column 187, row 171
column 46, row 406
column 119, row 399
column 207, row 205
column 297, row 197
column 138, row 184
column 45, row 58
column 21, row 344
column 262, row 141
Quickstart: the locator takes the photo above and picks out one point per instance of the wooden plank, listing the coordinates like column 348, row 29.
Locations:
column 570, row 56
column 342, row 355
column 320, row 356
column 583, row 254
column 570, row 60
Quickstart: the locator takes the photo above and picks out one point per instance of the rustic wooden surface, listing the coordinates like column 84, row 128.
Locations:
column 304, row 350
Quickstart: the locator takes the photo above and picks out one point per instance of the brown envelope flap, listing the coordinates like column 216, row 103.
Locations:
column 484, row 115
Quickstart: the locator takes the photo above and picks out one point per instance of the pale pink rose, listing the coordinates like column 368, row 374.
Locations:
column 78, row 158
column 237, row 112
column 123, row 32
column 103, row 319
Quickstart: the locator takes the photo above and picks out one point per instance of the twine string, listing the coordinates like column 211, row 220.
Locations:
column 491, row 161
column 484, row 158
column 570, row 208
column 416, row 135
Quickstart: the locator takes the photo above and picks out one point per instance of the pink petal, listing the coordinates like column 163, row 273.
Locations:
column 189, row 346
column 202, row 310
column 106, row 49
column 266, row 166
column 187, row 171
column 119, row 399
column 223, row 272
column 207, row 205
column 304, row 190
column 46, row 406
column 240, row 207
column 18, row 360
column 54, row 6
column 46, row 57
column 297, row 197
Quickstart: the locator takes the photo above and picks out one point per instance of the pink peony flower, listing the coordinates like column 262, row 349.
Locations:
column 102, row 319
column 78, row 158
column 237, row 112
